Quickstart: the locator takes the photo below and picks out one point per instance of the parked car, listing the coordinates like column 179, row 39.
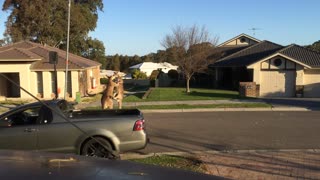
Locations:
column 57, row 127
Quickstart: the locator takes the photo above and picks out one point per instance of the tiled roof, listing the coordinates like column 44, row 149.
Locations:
column 224, row 51
column 18, row 54
column 29, row 51
column 303, row 55
column 248, row 55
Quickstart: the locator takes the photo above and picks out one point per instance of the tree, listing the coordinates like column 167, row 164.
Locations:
column 190, row 47
column 135, row 60
column 124, row 64
column 160, row 56
column 95, row 50
column 315, row 46
column 45, row 21
column 116, row 63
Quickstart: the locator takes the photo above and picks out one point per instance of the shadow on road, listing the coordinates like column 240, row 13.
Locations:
column 309, row 103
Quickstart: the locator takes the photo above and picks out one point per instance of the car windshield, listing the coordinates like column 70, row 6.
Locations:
column 225, row 88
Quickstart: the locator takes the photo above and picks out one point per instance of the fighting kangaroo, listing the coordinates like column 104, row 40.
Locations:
column 108, row 93
column 118, row 91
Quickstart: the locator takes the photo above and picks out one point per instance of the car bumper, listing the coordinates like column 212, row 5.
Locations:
column 138, row 140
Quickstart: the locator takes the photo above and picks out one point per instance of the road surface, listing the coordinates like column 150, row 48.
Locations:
column 204, row 131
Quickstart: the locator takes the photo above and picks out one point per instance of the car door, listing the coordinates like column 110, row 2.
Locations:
column 56, row 135
column 19, row 130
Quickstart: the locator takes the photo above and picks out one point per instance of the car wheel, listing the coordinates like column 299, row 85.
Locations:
column 97, row 149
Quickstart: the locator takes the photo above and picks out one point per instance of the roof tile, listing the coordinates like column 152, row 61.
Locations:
column 30, row 50
column 249, row 55
column 303, row 55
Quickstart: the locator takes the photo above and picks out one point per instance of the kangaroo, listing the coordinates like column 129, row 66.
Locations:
column 119, row 91
column 108, row 93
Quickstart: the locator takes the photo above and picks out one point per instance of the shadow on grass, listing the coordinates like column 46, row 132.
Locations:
column 135, row 88
column 133, row 97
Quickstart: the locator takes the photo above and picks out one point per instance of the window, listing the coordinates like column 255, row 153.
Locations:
column 25, row 117
column 277, row 62
column 242, row 40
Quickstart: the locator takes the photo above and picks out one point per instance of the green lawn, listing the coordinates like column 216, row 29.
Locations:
column 190, row 164
column 179, row 94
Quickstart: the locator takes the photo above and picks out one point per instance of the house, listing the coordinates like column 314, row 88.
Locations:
column 107, row 73
column 27, row 64
column 264, row 68
column 148, row 67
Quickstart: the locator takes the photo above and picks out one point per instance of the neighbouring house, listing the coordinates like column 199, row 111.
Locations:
column 264, row 68
column 148, row 67
column 27, row 64
column 107, row 73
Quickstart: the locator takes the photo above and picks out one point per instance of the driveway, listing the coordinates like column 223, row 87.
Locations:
column 308, row 103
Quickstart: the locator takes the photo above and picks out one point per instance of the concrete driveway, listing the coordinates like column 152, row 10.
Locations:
column 308, row 103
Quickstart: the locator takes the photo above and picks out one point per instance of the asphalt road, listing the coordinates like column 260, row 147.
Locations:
column 203, row 131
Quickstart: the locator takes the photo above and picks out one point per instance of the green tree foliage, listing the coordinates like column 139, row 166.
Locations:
column 315, row 46
column 116, row 63
column 95, row 51
column 135, row 60
column 45, row 21
column 161, row 56
column 136, row 74
column 124, row 63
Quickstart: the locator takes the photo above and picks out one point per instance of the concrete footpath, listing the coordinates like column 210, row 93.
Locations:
column 255, row 164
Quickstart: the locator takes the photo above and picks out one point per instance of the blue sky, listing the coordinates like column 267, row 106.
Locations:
column 137, row 26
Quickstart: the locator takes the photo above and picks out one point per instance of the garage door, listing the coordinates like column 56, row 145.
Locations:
column 277, row 83
column 312, row 83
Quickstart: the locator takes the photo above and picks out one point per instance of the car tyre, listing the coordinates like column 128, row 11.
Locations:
column 96, row 148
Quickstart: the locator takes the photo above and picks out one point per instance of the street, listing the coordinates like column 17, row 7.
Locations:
column 204, row 131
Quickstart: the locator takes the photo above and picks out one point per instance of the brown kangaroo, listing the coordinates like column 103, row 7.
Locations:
column 108, row 93
column 119, row 91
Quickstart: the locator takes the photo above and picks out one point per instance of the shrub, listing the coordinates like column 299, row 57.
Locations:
column 154, row 74
column 173, row 74
column 104, row 80
column 139, row 75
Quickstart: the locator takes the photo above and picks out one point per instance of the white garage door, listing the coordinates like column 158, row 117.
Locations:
column 277, row 83
column 312, row 83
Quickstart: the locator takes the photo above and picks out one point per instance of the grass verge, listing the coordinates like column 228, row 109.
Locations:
column 197, row 106
column 194, row 106
column 14, row 102
column 185, row 163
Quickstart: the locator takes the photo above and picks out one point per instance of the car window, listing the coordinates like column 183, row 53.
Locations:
column 25, row 117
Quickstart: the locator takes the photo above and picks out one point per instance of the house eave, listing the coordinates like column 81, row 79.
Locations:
column 19, row 60
column 247, row 36
column 250, row 66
